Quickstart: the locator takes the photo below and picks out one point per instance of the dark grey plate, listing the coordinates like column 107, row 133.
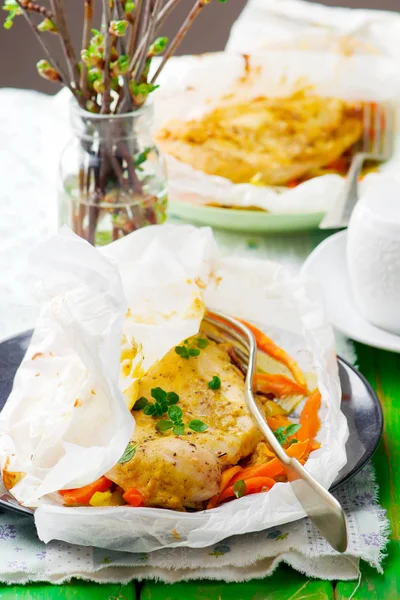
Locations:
column 360, row 405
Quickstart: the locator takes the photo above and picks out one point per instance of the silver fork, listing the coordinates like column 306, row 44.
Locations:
column 322, row 508
column 377, row 145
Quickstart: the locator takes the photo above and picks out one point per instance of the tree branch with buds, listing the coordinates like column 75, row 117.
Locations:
column 111, row 76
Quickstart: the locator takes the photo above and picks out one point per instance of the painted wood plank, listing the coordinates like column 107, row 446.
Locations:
column 373, row 585
column 76, row 590
column 383, row 371
column 284, row 584
column 388, row 461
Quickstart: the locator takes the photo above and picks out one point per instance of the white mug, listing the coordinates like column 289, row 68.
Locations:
column 373, row 254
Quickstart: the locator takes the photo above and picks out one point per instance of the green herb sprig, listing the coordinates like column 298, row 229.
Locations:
column 176, row 423
column 283, row 433
column 163, row 400
column 128, row 454
column 215, row 383
column 239, row 488
column 188, row 349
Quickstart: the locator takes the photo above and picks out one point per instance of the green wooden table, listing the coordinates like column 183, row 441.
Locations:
column 382, row 369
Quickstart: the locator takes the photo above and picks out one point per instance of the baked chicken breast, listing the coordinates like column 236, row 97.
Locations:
column 183, row 471
column 275, row 140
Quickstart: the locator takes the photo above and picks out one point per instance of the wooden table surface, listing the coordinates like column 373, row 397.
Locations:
column 382, row 369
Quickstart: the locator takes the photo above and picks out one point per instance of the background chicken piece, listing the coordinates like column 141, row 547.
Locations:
column 184, row 471
column 277, row 140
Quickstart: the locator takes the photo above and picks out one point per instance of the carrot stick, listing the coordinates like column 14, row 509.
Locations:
column 273, row 467
column 253, row 486
column 315, row 446
column 84, row 494
column 278, row 421
column 227, row 476
column 133, row 497
column 265, row 344
column 293, row 183
column 279, row 385
column 309, row 418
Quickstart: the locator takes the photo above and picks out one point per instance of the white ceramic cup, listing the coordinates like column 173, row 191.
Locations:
column 373, row 254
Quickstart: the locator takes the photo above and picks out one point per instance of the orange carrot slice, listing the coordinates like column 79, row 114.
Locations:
column 253, row 486
column 279, row 385
column 278, row 421
column 273, row 467
column 265, row 344
column 227, row 476
column 84, row 494
column 309, row 418
column 133, row 497
column 315, row 445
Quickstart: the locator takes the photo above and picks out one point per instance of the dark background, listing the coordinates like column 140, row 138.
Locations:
column 19, row 51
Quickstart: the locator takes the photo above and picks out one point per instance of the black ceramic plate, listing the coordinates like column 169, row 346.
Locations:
column 360, row 405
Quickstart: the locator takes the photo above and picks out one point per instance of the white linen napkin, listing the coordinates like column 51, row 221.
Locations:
column 23, row 558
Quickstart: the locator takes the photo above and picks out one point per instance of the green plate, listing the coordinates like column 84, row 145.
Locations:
column 244, row 220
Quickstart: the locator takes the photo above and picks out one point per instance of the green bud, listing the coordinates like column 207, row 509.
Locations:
column 85, row 56
column 47, row 25
column 118, row 28
column 92, row 59
column 99, row 86
column 94, row 74
column 114, row 53
column 13, row 10
column 46, row 71
column 140, row 91
column 97, row 41
column 12, row 6
column 129, row 6
column 92, row 107
column 123, row 63
column 121, row 66
column 158, row 46
column 114, row 84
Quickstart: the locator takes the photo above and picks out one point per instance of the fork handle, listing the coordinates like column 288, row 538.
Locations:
column 339, row 214
column 350, row 192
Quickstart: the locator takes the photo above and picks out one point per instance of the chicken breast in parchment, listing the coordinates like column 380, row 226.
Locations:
column 276, row 140
column 183, row 471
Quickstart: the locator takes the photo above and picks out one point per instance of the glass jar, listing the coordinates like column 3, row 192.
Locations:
column 113, row 179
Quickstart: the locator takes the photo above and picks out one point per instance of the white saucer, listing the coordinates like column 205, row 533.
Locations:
column 327, row 263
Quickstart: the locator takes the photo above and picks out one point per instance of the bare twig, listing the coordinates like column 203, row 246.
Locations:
column 53, row 62
column 33, row 7
column 120, row 12
column 108, row 42
column 147, row 40
column 87, row 26
column 165, row 12
column 143, row 16
column 134, row 29
column 176, row 42
column 69, row 52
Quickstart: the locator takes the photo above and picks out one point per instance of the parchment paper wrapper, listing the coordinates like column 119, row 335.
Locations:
column 301, row 25
column 67, row 422
column 192, row 86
